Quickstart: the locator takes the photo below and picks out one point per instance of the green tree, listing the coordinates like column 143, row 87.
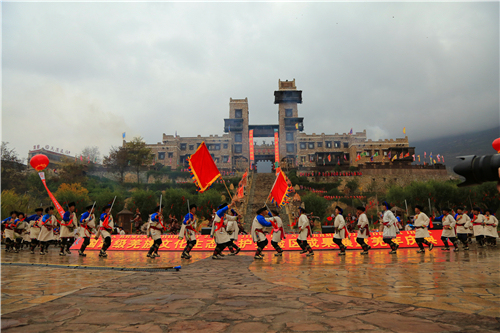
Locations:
column 76, row 193
column 315, row 204
column 117, row 160
column 146, row 201
column 139, row 155
column 13, row 176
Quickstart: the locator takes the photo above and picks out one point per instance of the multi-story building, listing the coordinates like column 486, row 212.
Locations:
column 295, row 148
column 56, row 156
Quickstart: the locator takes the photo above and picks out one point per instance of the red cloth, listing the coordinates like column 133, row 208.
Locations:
column 280, row 189
column 203, row 168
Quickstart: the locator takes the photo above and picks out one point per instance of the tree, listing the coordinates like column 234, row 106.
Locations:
column 315, row 204
column 12, row 167
column 118, row 160
column 76, row 193
column 138, row 154
column 91, row 154
column 146, row 201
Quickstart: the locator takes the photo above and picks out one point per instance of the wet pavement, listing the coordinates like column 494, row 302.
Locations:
column 294, row 293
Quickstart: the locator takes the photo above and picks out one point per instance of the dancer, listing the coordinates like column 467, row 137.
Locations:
column 278, row 233
column 363, row 229
column 219, row 232
column 155, row 229
column 35, row 222
column 448, row 230
column 87, row 224
column 49, row 221
column 464, row 225
column 233, row 231
column 106, row 226
column 258, row 235
column 20, row 228
column 188, row 231
column 340, row 230
column 490, row 227
column 478, row 225
column 9, row 231
column 421, row 223
column 390, row 230
column 68, row 225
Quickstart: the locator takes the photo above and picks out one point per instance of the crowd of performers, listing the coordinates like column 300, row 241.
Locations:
column 41, row 229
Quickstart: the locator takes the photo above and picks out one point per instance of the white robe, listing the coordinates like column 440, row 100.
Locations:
column 390, row 228
column 221, row 235
column 277, row 234
column 449, row 221
column 491, row 226
column 362, row 225
column 421, row 220
column 303, row 227
column 479, row 230
column 232, row 227
column 339, row 224
column 463, row 224
column 47, row 234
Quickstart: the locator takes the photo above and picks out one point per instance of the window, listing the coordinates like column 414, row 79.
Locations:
column 225, row 159
column 238, row 149
column 191, row 147
column 311, row 145
column 346, row 144
column 336, row 144
column 290, row 148
column 302, row 159
column 376, row 152
column 197, row 145
column 385, row 152
column 214, row 146
column 311, row 158
column 328, row 144
column 367, row 153
column 320, row 144
column 302, row 145
column 225, row 146
column 238, row 113
column 217, row 160
column 161, row 155
column 289, row 136
column 238, row 137
column 170, row 155
column 288, row 113
column 183, row 146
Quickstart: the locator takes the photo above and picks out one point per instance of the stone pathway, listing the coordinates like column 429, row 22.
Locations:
column 225, row 296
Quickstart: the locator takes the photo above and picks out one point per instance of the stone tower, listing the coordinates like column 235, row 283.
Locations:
column 237, row 126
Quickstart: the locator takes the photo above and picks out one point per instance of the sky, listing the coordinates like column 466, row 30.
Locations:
column 80, row 74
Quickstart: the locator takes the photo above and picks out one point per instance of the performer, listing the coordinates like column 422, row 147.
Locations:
column 87, row 224
column 49, row 221
column 491, row 224
column 464, row 225
column 155, row 229
column 258, row 235
column 106, row 226
column 390, row 231
column 232, row 231
column 35, row 222
column 68, row 225
column 188, row 231
column 278, row 233
column 219, row 232
column 340, row 230
column 478, row 225
column 363, row 229
column 421, row 223
column 20, row 227
column 9, row 231
column 448, row 230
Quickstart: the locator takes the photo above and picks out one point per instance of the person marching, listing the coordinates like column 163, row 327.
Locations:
column 258, row 235
column 464, row 225
column 232, row 231
column 68, row 225
column 478, row 225
column 340, row 230
column 363, row 229
column 20, row 228
column 278, row 233
column 35, row 221
column 421, row 223
column 188, row 231
column 87, row 223
column 9, row 231
column 449, row 230
column 48, row 223
column 219, row 232
column 106, row 226
column 390, row 230
column 491, row 224
column 154, row 231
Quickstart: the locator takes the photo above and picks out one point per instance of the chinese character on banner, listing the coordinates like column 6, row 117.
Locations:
column 276, row 147
column 250, row 143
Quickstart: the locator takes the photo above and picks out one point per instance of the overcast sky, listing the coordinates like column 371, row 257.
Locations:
column 80, row 74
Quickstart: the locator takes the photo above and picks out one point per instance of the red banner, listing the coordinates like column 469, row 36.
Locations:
column 59, row 209
column 203, row 168
column 250, row 142
column 276, row 147
column 206, row 243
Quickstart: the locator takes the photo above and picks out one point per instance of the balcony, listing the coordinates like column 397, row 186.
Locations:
column 288, row 96
column 233, row 125
column 290, row 123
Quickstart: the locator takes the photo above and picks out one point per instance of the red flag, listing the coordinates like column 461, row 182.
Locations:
column 59, row 209
column 241, row 192
column 203, row 168
column 329, row 158
column 280, row 189
column 407, row 154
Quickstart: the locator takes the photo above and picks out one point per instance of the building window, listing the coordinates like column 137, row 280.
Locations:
column 183, row 146
column 328, row 144
column 214, row 146
column 376, row 152
column 320, row 144
column 368, row 153
column 217, row 160
column 302, row 145
column 346, row 144
column 289, row 136
column 290, row 148
column 191, row 147
column 238, row 137
column 170, row 155
column 288, row 113
column 238, row 149
column 385, row 152
column 225, row 159
column 238, row 113
column 311, row 145
column 337, row 144
column 311, row 158
column 303, row 159
column 161, row 155
column 225, row 146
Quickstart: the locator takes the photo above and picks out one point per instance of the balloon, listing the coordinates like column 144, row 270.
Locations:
column 496, row 145
column 39, row 162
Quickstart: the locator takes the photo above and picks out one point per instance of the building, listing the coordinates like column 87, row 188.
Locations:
column 56, row 156
column 233, row 150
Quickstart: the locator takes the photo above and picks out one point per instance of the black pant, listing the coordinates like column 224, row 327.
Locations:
column 18, row 243
column 44, row 246
column 480, row 239
column 231, row 245
column 220, row 247
column 86, row 242
column 189, row 246
column 453, row 240
column 66, row 242
column 491, row 240
column 8, row 243
column 391, row 243
column 260, row 246
column 464, row 239
column 34, row 243
column 156, row 245
column 361, row 241
column 338, row 241
column 420, row 242
column 276, row 246
column 106, row 244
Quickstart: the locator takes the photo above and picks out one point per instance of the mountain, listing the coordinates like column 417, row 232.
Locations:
column 473, row 143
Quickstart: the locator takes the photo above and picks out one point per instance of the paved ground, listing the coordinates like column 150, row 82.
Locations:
column 235, row 294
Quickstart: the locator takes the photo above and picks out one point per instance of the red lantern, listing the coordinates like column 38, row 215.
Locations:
column 496, row 145
column 39, row 162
